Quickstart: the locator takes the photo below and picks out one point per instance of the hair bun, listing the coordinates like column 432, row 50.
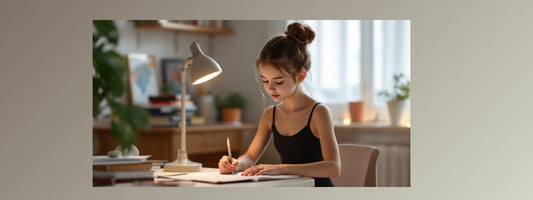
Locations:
column 301, row 33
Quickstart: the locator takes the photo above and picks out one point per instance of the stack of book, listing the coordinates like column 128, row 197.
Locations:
column 109, row 171
column 165, row 110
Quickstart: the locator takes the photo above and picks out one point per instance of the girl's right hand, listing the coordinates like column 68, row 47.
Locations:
column 225, row 167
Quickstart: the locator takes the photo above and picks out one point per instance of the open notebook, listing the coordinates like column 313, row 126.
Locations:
column 216, row 177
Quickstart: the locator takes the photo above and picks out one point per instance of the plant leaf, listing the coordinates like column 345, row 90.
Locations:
column 107, row 30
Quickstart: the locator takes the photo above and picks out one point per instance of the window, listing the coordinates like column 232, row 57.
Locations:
column 353, row 60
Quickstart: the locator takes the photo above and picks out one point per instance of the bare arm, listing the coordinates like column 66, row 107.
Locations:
column 256, row 148
column 262, row 136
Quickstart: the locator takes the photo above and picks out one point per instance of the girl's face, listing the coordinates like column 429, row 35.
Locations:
column 279, row 85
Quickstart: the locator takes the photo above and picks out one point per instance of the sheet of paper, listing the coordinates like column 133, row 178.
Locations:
column 216, row 177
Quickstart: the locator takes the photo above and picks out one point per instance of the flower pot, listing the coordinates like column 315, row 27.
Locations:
column 134, row 151
column 231, row 114
column 357, row 111
column 395, row 111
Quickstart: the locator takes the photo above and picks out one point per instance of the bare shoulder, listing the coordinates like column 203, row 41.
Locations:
column 268, row 112
column 321, row 122
column 322, row 110
column 321, row 116
column 266, row 118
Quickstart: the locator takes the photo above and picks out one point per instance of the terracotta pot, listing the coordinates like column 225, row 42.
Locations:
column 231, row 114
column 357, row 111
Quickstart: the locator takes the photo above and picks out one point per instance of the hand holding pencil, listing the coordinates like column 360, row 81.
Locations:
column 228, row 164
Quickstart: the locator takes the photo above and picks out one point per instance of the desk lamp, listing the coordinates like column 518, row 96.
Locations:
column 203, row 68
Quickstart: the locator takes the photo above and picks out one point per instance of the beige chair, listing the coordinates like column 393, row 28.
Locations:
column 358, row 166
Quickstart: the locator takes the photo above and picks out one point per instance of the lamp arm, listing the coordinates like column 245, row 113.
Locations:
column 183, row 150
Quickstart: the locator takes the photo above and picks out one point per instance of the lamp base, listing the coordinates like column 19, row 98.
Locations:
column 184, row 166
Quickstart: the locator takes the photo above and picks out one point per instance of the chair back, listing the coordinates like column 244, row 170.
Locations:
column 358, row 166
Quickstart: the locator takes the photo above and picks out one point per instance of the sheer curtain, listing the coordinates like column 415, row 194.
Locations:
column 353, row 60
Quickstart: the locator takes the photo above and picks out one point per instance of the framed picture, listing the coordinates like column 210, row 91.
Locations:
column 171, row 73
column 142, row 81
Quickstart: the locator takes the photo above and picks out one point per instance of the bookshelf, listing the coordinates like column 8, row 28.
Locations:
column 217, row 27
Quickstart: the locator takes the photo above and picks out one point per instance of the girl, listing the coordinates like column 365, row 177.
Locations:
column 302, row 128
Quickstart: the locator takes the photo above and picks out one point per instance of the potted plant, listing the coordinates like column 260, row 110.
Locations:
column 230, row 107
column 166, row 89
column 109, row 70
column 397, row 98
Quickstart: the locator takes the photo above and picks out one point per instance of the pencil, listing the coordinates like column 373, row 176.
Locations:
column 229, row 152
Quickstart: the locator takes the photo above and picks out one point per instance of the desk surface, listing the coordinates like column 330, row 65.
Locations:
column 298, row 182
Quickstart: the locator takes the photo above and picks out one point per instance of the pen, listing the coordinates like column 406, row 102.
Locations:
column 229, row 151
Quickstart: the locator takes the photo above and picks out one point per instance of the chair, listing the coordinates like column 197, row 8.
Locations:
column 358, row 166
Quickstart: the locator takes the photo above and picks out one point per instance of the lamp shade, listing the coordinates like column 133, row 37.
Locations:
column 203, row 68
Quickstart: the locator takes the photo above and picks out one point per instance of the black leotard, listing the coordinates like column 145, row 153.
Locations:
column 303, row 147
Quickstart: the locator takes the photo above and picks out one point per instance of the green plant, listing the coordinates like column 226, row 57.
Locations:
column 400, row 90
column 109, row 84
column 232, row 100
column 166, row 89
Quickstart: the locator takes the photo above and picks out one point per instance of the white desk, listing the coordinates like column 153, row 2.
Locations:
column 298, row 182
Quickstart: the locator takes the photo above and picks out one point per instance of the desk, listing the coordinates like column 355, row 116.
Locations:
column 205, row 144
column 298, row 182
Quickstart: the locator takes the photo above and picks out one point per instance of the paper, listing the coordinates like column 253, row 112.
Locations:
column 216, row 177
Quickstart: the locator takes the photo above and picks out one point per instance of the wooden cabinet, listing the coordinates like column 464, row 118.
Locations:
column 205, row 144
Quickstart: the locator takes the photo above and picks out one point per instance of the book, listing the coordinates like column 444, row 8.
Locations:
column 216, row 177
column 106, row 160
column 157, row 164
column 123, row 174
column 162, row 98
column 118, row 167
column 172, row 118
column 169, row 110
column 113, row 181
column 164, row 103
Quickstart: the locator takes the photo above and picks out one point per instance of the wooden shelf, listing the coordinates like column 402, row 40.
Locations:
column 180, row 27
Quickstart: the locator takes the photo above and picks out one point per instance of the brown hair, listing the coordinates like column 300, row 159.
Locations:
column 289, row 51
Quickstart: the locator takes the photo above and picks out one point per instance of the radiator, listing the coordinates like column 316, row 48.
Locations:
column 393, row 166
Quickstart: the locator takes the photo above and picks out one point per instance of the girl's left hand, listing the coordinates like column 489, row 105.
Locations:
column 262, row 170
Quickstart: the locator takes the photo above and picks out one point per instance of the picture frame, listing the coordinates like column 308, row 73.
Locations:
column 142, row 81
column 171, row 75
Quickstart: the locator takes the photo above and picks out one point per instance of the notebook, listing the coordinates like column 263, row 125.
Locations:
column 216, row 177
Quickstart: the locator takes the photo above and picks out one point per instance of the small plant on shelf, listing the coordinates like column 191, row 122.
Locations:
column 230, row 107
column 400, row 91
column 397, row 98
column 166, row 89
